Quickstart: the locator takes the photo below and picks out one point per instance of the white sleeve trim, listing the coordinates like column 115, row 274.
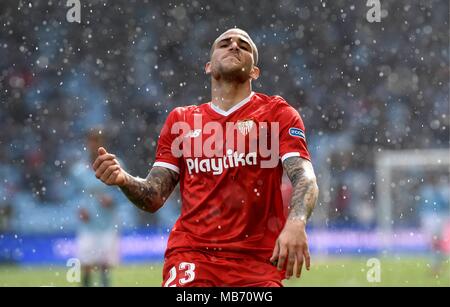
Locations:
column 288, row 155
column 167, row 165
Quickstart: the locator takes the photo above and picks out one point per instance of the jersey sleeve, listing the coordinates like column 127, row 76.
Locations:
column 292, row 133
column 164, row 155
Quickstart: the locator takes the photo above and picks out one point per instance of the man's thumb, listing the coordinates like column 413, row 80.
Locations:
column 102, row 151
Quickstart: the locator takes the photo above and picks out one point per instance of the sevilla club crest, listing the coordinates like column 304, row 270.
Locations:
column 245, row 126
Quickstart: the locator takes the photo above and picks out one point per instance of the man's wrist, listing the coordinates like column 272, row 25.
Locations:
column 126, row 180
column 298, row 220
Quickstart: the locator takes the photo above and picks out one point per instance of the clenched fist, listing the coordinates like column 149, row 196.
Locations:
column 108, row 169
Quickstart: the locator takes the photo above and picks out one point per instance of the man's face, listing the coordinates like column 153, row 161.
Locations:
column 232, row 58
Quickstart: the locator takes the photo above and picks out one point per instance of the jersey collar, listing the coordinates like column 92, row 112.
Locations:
column 234, row 108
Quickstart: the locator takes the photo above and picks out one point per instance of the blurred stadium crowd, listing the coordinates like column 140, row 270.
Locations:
column 360, row 87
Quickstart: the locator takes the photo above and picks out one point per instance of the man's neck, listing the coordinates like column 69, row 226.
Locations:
column 226, row 95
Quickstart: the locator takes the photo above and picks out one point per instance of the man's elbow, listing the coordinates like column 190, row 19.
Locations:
column 314, row 184
column 311, row 182
column 154, row 205
column 315, row 188
column 151, row 208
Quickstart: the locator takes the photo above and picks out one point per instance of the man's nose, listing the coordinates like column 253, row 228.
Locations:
column 234, row 45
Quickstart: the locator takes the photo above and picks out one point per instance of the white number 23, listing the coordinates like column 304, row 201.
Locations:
column 189, row 274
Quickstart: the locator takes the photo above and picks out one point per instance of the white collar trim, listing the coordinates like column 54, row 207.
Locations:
column 234, row 108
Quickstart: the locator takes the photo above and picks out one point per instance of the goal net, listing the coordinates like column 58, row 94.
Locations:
column 413, row 191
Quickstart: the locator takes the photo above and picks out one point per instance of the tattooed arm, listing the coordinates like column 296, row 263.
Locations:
column 292, row 244
column 148, row 194
column 305, row 189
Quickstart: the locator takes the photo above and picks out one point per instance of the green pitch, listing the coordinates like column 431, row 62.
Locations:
column 400, row 271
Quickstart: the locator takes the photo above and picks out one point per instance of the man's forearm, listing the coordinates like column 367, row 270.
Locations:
column 149, row 194
column 305, row 189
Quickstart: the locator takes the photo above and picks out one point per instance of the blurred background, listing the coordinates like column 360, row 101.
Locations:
column 374, row 98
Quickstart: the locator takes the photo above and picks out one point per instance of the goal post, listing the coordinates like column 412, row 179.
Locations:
column 389, row 164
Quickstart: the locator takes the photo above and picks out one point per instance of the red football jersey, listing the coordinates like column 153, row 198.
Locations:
column 231, row 204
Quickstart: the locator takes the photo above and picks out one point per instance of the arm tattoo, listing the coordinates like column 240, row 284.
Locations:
column 149, row 194
column 305, row 190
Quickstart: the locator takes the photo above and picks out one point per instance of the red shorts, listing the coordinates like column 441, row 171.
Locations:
column 198, row 269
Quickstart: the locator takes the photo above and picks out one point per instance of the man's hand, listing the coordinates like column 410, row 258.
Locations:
column 108, row 169
column 148, row 194
column 291, row 249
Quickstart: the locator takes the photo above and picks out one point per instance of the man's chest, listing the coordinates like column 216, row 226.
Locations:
column 214, row 144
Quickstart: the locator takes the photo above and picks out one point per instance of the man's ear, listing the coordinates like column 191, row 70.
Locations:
column 254, row 73
column 208, row 68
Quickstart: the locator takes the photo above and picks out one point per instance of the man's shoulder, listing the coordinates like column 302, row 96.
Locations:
column 274, row 99
column 182, row 111
column 275, row 103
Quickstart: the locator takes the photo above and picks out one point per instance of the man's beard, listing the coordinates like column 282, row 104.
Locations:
column 236, row 73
